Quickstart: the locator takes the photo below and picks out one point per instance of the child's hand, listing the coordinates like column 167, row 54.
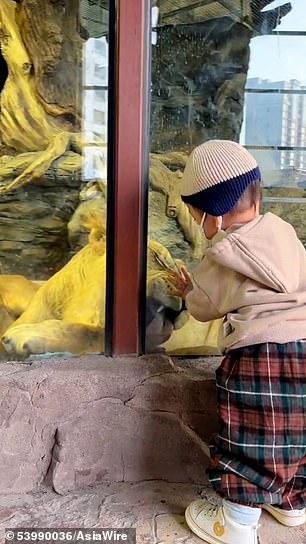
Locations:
column 182, row 282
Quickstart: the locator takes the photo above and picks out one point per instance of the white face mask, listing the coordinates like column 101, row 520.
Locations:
column 202, row 221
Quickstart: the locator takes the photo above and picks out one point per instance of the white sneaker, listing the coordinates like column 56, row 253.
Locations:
column 290, row 518
column 213, row 525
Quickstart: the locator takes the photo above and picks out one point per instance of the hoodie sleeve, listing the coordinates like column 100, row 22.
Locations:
column 200, row 306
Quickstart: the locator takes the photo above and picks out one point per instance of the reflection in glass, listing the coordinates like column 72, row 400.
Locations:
column 213, row 76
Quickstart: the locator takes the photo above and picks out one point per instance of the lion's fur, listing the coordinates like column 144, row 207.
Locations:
column 66, row 313
column 16, row 293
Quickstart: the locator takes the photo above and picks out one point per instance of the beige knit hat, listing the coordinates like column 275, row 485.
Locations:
column 216, row 174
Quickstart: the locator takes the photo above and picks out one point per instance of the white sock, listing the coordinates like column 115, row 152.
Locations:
column 240, row 513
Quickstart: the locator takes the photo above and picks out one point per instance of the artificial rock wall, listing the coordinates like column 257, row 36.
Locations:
column 70, row 422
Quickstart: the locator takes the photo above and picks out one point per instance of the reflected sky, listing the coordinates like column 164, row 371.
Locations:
column 281, row 58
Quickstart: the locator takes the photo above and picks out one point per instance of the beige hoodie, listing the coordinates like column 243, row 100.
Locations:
column 255, row 276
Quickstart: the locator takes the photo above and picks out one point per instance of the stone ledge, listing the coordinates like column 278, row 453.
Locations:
column 73, row 422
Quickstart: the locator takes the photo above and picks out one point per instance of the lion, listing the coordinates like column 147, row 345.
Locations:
column 67, row 312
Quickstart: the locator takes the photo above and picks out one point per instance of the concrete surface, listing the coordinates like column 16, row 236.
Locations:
column 155, row 508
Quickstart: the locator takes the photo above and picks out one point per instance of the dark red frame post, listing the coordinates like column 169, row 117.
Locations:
column 126, row 236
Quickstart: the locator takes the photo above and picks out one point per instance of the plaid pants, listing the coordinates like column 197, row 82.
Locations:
column 259, row 454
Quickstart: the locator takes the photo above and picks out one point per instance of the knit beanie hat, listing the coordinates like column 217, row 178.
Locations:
column 216, row 174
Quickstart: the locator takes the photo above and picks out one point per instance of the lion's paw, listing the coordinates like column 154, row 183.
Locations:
column 19, row 342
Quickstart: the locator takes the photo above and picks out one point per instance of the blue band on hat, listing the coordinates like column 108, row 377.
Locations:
column 222, row 197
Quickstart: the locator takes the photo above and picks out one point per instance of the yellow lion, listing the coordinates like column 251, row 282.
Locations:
column 67, row 312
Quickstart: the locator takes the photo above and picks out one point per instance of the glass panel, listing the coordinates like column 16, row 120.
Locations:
column 53, row 119
column 280, row 57
column 227, row 69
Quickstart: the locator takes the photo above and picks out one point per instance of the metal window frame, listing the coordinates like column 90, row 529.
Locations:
column 127, row 193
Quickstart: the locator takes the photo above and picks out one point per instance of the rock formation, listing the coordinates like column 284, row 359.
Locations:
column 41, row 52
column 200, row 63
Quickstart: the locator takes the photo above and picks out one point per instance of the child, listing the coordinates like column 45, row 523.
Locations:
column 254, row 275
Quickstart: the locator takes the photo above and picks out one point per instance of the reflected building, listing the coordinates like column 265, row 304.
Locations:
column 95, row 100
column 278, row 119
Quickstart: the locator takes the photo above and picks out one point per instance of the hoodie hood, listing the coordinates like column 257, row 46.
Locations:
column 276, row 260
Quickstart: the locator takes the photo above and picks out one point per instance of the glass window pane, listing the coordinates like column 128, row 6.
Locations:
column 53, row 118
column 220, row 70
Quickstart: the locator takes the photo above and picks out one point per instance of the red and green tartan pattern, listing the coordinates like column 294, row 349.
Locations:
column 259, row 455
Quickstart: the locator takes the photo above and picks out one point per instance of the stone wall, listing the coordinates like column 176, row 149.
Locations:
column 70, row 422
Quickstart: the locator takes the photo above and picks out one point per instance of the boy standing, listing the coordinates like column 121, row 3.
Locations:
column 253, row 274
